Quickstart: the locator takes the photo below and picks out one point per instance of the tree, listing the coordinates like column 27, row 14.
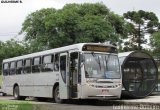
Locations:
column 74, row 23
column 35, row 30
column 155, row 43
column 142, row 23
column 11, row 48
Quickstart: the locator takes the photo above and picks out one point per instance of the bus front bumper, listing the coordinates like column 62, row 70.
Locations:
column 101, row 93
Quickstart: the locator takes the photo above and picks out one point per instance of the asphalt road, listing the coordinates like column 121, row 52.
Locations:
column 68, row 105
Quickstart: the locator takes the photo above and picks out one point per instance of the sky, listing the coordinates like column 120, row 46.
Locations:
column 12, row 15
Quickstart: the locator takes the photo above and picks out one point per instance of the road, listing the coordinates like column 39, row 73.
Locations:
column 68, row 105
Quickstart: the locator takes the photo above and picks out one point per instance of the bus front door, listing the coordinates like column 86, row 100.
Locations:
column 73, row 75
column 68, row 79
column 63, row 80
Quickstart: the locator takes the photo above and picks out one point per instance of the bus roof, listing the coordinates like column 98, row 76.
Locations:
column 56, row 50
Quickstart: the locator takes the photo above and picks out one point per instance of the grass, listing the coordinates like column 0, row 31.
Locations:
column 15, row 105
column 14, row 102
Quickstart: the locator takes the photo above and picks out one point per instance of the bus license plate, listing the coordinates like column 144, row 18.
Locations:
column 105, row 91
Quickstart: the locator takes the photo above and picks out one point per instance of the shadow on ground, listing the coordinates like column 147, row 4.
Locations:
column 90, row 102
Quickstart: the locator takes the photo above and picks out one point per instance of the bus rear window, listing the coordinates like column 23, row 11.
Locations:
column 5, row 69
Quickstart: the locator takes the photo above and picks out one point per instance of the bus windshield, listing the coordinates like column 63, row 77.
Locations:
column 103, row 66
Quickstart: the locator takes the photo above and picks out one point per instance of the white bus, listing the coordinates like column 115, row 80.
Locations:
column 79, row 71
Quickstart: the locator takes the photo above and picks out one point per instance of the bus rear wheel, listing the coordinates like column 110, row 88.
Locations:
column 16, row 94
column 57, row 95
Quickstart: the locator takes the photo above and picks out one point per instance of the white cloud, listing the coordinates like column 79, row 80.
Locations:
column 12, row 15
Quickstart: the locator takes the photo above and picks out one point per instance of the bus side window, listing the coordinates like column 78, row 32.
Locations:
column 36, row 65
column 27, row 66
column 20, row 67
column 56, row 62
column 5, row 69
column 12, row 68
column 47, row 63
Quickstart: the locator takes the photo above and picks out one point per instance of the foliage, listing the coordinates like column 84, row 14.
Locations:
column 0, row 80
column 34, row 26
column 155, row 43
column 11, row 48
column 141, row 23
column 74, row 23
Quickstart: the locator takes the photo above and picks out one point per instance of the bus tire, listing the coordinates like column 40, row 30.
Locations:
column 4, row 94
column 57, row 95
column 17, row 95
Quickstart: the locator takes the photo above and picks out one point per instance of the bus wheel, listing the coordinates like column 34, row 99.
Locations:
column 57, row 95
column 4, row 94
column 16, row 93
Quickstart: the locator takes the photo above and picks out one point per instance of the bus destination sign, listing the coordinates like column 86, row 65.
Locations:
column 99, row 48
